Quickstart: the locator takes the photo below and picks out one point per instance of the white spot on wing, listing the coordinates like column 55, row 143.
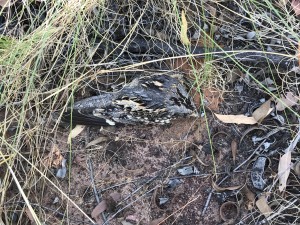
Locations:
column 130, row 103
column 157, row 83
column 110, row 122
column 99, row 110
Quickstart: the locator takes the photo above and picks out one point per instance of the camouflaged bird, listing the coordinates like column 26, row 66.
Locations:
column 155, row 99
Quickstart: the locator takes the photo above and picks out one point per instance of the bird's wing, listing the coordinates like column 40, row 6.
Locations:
column 86, row 117
column 87, row 111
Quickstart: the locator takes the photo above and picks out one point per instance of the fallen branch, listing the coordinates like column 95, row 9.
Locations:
column 256, row 58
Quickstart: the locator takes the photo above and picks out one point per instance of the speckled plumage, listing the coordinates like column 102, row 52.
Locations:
column 155, row 99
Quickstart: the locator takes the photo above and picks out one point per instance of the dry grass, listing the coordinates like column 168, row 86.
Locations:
column 50, row 62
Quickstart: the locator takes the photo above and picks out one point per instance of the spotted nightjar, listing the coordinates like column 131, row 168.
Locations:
column 155, row 99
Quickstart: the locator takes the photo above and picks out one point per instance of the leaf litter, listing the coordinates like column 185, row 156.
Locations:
column 287, row 101
column 257, row 117
column 285, row 163
column 263, row 206
column 75, row 132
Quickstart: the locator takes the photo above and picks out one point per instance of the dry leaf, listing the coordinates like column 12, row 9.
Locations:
column 183, row 34
column 287, row 101
column 284, row 169
column 157, row 221
column 298, row 55
column 248, row 193
column 250, row 197
column 238, row 119
column 115, row 196
column 196, row 97
column 260, row 113
column 108, row 204
column 124, row 222
column 137, row 172
column 220, row 189
column 296, row 6
column 282, row 3
column 29, row 215
column 4, row 3
column 54, row 158
column 285, row 164
column 100, row 208
column 213, row 97
column 212, row 10
column 233, row 75
column 112, row 201
column 96, row 141
column 133, row 218
column 75, row 132
column 263, row 206
column 234, row 147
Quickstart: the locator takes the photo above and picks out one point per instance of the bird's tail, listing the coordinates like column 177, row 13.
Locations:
column 74, row 117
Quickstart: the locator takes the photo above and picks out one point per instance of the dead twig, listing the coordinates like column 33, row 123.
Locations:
column 140, row 45
column 97, row 195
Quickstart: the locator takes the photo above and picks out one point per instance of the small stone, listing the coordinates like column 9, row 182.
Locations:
column 197, row 35
column 56, row 200
column 251, row 35
column 163, row 200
